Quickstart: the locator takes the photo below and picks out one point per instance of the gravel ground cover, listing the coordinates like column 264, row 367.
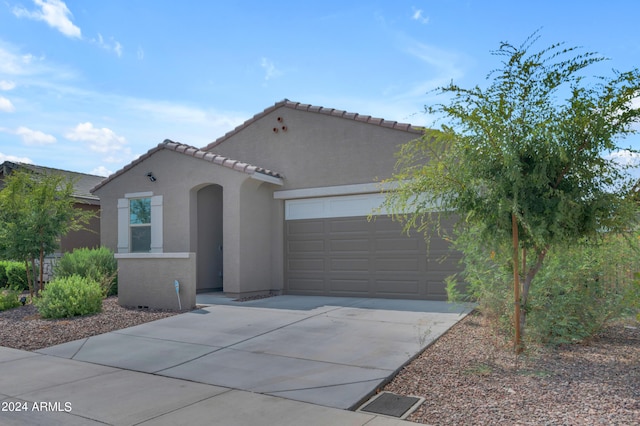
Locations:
column 468, row 377
column 22, row 327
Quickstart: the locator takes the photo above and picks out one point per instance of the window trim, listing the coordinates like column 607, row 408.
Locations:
column 139, row 225
column 124, row 230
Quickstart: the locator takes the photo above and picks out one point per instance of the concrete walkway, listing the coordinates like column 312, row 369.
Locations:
column 281, row 360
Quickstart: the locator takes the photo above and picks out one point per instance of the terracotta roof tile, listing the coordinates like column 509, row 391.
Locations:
column 193, row 152
column 319, row 110
column 362, row 118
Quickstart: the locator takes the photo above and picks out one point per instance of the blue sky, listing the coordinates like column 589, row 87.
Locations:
column 90, row 85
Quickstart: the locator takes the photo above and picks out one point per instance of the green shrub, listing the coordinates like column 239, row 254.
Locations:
column 98, row 265
column 581, row 289
column 487, row 276
column 578, row 291
column 17, row 276
column 9, row 299
column 14, row 275
column 3, row 274
column 70, row 296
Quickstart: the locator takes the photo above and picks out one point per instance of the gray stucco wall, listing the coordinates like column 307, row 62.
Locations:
column 149, row 282
column 317, row 149
column 246, row 251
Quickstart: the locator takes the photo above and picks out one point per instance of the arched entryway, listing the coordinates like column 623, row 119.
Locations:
column 209, row 237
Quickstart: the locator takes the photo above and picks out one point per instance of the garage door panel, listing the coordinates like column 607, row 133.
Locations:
column 398, row 264
column 408, row 288
column 301, row 246
column 356, row 257
column 306, row 265
column 435, row 291
column 350, row 244
column 360, row 286
column 305, row 227
column 350, row 264
column 349, row 225
column 306, row 285
column 444, row 263
column 397, row 243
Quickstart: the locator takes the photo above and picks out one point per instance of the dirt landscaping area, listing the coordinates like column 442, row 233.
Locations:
column 469, row 377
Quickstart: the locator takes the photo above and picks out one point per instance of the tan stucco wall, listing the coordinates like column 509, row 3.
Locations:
column 178, row 177
column 149, row 282
column 317, row 149
column 247, row 249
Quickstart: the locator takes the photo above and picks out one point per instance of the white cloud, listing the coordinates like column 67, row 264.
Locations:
column 6, row 105
column 624, row 157
column 7, row 85
column 13, row 158
column 101, row 171
column 418, row 15
column 101, row 140
column 55, row 13
column 177, row 113
column 30, row 71
column 111, row 46
column 13, row 63
column 140, row 53
column 34, row 137
column 270, row 69
column 443, row 67
column 118, row 49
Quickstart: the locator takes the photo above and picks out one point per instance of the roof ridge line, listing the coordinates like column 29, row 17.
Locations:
column 19, row 163
column 195, row 152
column 320, row 110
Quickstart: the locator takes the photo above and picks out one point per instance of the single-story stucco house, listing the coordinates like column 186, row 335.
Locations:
column 278, row 205
column 89, row 237
column 84, row 200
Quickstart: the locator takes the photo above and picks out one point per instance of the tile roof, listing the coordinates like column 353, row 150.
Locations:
column 82, row 182
column 197, row 153
column 320, row 110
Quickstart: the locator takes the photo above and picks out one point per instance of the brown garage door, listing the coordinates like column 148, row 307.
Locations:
column 355, row 257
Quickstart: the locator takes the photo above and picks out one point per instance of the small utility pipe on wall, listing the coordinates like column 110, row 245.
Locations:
column 177, row 285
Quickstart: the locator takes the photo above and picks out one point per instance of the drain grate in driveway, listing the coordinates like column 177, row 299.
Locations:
column 392, row 405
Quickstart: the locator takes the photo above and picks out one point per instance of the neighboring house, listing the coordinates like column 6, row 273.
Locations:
column 278, row 205
column 84, row 199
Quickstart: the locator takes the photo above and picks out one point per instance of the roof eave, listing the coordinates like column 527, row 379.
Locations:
column 319, row 110
column 266, row 178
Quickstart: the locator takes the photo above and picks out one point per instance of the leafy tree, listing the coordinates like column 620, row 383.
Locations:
column 524, row 160
column 36, row 209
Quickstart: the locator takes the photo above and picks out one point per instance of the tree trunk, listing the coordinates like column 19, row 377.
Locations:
column 29, row 278
column 517, row 317
column 528, row 278
column 41, row 268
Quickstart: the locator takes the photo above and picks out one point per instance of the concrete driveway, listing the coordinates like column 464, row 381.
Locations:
column 328, row 351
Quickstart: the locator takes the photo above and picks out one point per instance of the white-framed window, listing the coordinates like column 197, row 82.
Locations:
column 140, row 223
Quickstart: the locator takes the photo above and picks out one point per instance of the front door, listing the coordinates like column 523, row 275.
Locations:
column 209, row 235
